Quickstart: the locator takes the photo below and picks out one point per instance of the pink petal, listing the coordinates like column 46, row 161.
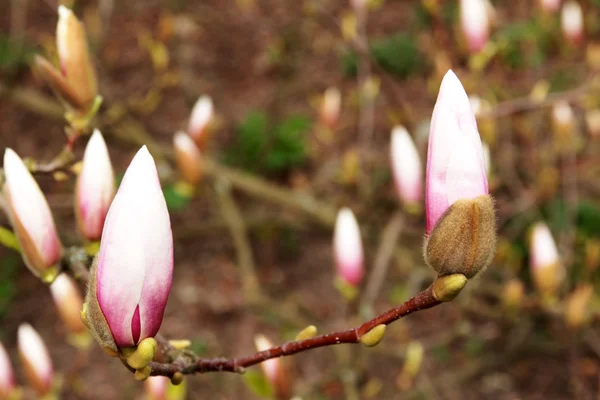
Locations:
column 36, row 356
column 7, row 378
column 135, row 265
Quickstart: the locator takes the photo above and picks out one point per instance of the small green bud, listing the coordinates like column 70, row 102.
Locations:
column 307, row 333
column 177, row 378
column 447, row 287
column 143, row 373
column 374, row 336
column 143, row 354
column 180, row 344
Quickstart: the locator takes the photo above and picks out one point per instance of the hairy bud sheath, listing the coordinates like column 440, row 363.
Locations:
column 95, row 188
column 188, row 158
column 7, row 376
column 461, row 224
column 406, row 167
column 31, row 219
column 35, row 359
column 131, row 276
column 68, row 302
column 475, row 23
column 347, row 248
column 200, row 119
column 330, row 107
column 546, row 268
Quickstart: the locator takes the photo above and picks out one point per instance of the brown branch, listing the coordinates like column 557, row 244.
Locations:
column 422, row 301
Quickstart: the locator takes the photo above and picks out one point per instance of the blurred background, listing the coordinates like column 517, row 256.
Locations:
column 280, row 165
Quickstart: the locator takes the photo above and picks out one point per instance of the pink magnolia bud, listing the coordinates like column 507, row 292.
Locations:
column 330, row 107
column 132, row 274
column 73, row 53
column 571, row 20
column 35, row 359
column 406, row 166
column 31, row 218
column 347, row 248
column 475, row 24
column 156, row 387
column 68, row 301
column 95, row 188
column 188, row 158
column 550, row 6
column 455, row 160
column 274, row 369
column 546, row 268
column 7, row 377
column 200, row 119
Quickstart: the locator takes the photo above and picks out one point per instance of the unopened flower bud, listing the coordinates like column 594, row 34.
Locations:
column 7, row 377
column 31, row 219
column 577, row 310
column 571, row 20
column 347, row 248
column 200, row 119
column 461, row 223
column 274, row 369
column 513, row 294
column 406, row 167
column 550, row 6
column 35, row 359
column 475, row 24
column 95, row 188
column 307, row 333
column 547, row 271
column 447, row 287
column 156, row 387
column 188, row 158
column 74, row 57
column 131, row 276
column 330, row 107
column 68, row 302
column 374, row 336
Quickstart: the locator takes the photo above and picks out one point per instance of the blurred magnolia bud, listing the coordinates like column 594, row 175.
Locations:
column 546, row 268
column 475, row 23
column 513, row 294
column 360, row 6
column 68, row 302
column 592, row 121
column 461, row 222
column 95, row 188
column 563, row 124
column 592, row 254
column 330, row 107
column 188, row 158
column 571, row 21
column 577, row 310
column 406, row 167
column 156, row 387
column 412, row 365
column 35, row 359
column 550, row 6
column 131, row 276
column 200, row 119
column 31, row 219
column 347, row 248
column 274, row 370
column 7, row 377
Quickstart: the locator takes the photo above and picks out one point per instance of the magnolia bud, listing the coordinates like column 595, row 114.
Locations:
column 577, row 310
column 36, row 359
column 475, row 24
column 546, row 268
column 461, row 223
column 550, row 6
column 200, row 119
column 95, row 188
column 513, row 294
column 31, row 219
column 74, row 57
column 131, row 276
column 330, row 107
column 68, row 302
column 347, row 248
column 571, row 20
column 188, row 158
column 7, row 377
column 274, row 370
column 564, row 127
column 406, row 167
column 156, row 387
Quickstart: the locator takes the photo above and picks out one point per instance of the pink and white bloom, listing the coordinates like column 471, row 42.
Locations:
column 188, row 158
column 36, row 359
column 406, row 166
column 571, row 21
column 31, row 218
column 95, row 188
column 156, row 387
column 68, row 300
column 330, row 107
column 475, row 23
column 544, row 252
column 200, row 119
column 7, row 376
column 550, row 6
column 135, row 262
column 455, row 160
column 272, row 367
column 347, row 248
